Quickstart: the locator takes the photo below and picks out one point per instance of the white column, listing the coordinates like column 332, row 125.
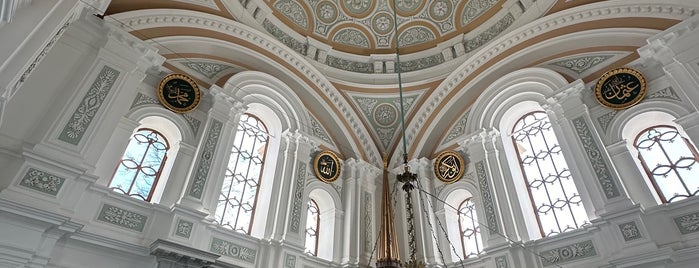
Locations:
column 579, row 140
column 630, row 174
column 213, row 151
column 426, row 227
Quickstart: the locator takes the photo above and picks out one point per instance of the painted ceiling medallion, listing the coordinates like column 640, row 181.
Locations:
column 179, row 93
column 382, row 23
column 409, row 7
column 440, row 10
column 327, row 12
column 620, row 88
column 358, row 8
column 385, row 114
column 449, row 166
column 327, row 166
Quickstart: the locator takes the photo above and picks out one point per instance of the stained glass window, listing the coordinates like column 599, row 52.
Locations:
column 312, row 228
column 552, row 191
column 670, row 161
column 469, row 229
column 241, row 182
column 141, row 165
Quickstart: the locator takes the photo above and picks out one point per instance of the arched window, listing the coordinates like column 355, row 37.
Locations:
column 670, row 161
column 141, row 165
column 241, row 182
column 552, row 191
column 312, row 228
column 469, row 229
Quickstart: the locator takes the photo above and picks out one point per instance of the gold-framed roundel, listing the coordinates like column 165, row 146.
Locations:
column 620, row 88
column 449, row 166
column 326, row 166
column 179, row 93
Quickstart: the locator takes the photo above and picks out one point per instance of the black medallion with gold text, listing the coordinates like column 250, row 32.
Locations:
column 620, row 88
column 326, row 166
column 179, row 93
column 449, row 166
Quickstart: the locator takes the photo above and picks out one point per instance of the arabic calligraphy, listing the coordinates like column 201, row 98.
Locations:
column 620, row 88
column 178, row 93
column 327, row 166
column 449, row 167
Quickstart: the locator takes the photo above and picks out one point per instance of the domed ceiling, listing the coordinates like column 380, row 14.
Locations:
column 339, row 56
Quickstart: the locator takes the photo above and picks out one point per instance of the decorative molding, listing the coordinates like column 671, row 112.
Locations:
column 289, row 261
column 207, row 69
column 286, row 39
column 568, row 253
column 665, row 93
column 337, row 187
column 594, row 155
column 522, row 34
column 489, row 34
column 414, row 36
column 89, row 106
column 205, row 159
column 501, row 262
column 349, row 65
column 39, row 57
column 184, row 228
column 368, row 210
column 317, row 130
column 122, row 217
column 232, row 250
column 582, row 63
column 487, row 198
column 474, row 9
column 382, row 114
column 629, row 231
column 143, row 99
column 192, row 122
column 458, row 129
column 421, row 63
column 42, row 181
column 607, row 118
column 351, row 37
column 293, row 11
column 688, row 223
column 295, row 220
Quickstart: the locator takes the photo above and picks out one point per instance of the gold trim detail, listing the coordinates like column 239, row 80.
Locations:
column 620, row 88
column 326, row 166
column 179, row 93
column 449, row 167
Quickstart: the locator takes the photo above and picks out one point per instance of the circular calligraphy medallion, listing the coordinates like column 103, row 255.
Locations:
column 449, row 166
column 326, row 166
column 179, row 93
column 620, row 88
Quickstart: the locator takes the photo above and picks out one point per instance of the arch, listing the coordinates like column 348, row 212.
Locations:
column 619, row 125
column 328, row 205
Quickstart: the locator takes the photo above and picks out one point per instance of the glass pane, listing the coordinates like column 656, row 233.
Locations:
column 312, row 228
column 140, row 166
column 471, row 242
column 670, row 162
column 553, row 193
column 243, row 173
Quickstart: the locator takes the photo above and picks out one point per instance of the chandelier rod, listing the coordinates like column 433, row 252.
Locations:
column 400, row 84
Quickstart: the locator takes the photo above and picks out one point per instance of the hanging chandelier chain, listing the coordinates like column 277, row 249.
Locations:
column 434, row 235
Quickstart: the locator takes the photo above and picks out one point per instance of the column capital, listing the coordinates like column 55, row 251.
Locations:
column 300, row 138
column 479, row 138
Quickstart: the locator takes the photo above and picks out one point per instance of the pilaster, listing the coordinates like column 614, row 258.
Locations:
column 213, row 150
column 579, row 140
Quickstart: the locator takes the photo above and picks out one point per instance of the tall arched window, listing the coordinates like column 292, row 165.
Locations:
column 241, row 182
column 312, row 228
column 141, row 165
column 552, row 191
column 469, row 229
column 670, row 161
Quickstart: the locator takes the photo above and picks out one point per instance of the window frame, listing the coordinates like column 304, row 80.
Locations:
column 647, row 170
column 157, row 175
column 476, row 228
column 317, row 228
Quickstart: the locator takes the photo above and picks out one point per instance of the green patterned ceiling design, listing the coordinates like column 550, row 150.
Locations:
column 382, row 113
column 369, row 24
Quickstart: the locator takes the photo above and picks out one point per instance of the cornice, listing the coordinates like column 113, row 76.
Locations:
column 678, row 10
column 154, row 18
